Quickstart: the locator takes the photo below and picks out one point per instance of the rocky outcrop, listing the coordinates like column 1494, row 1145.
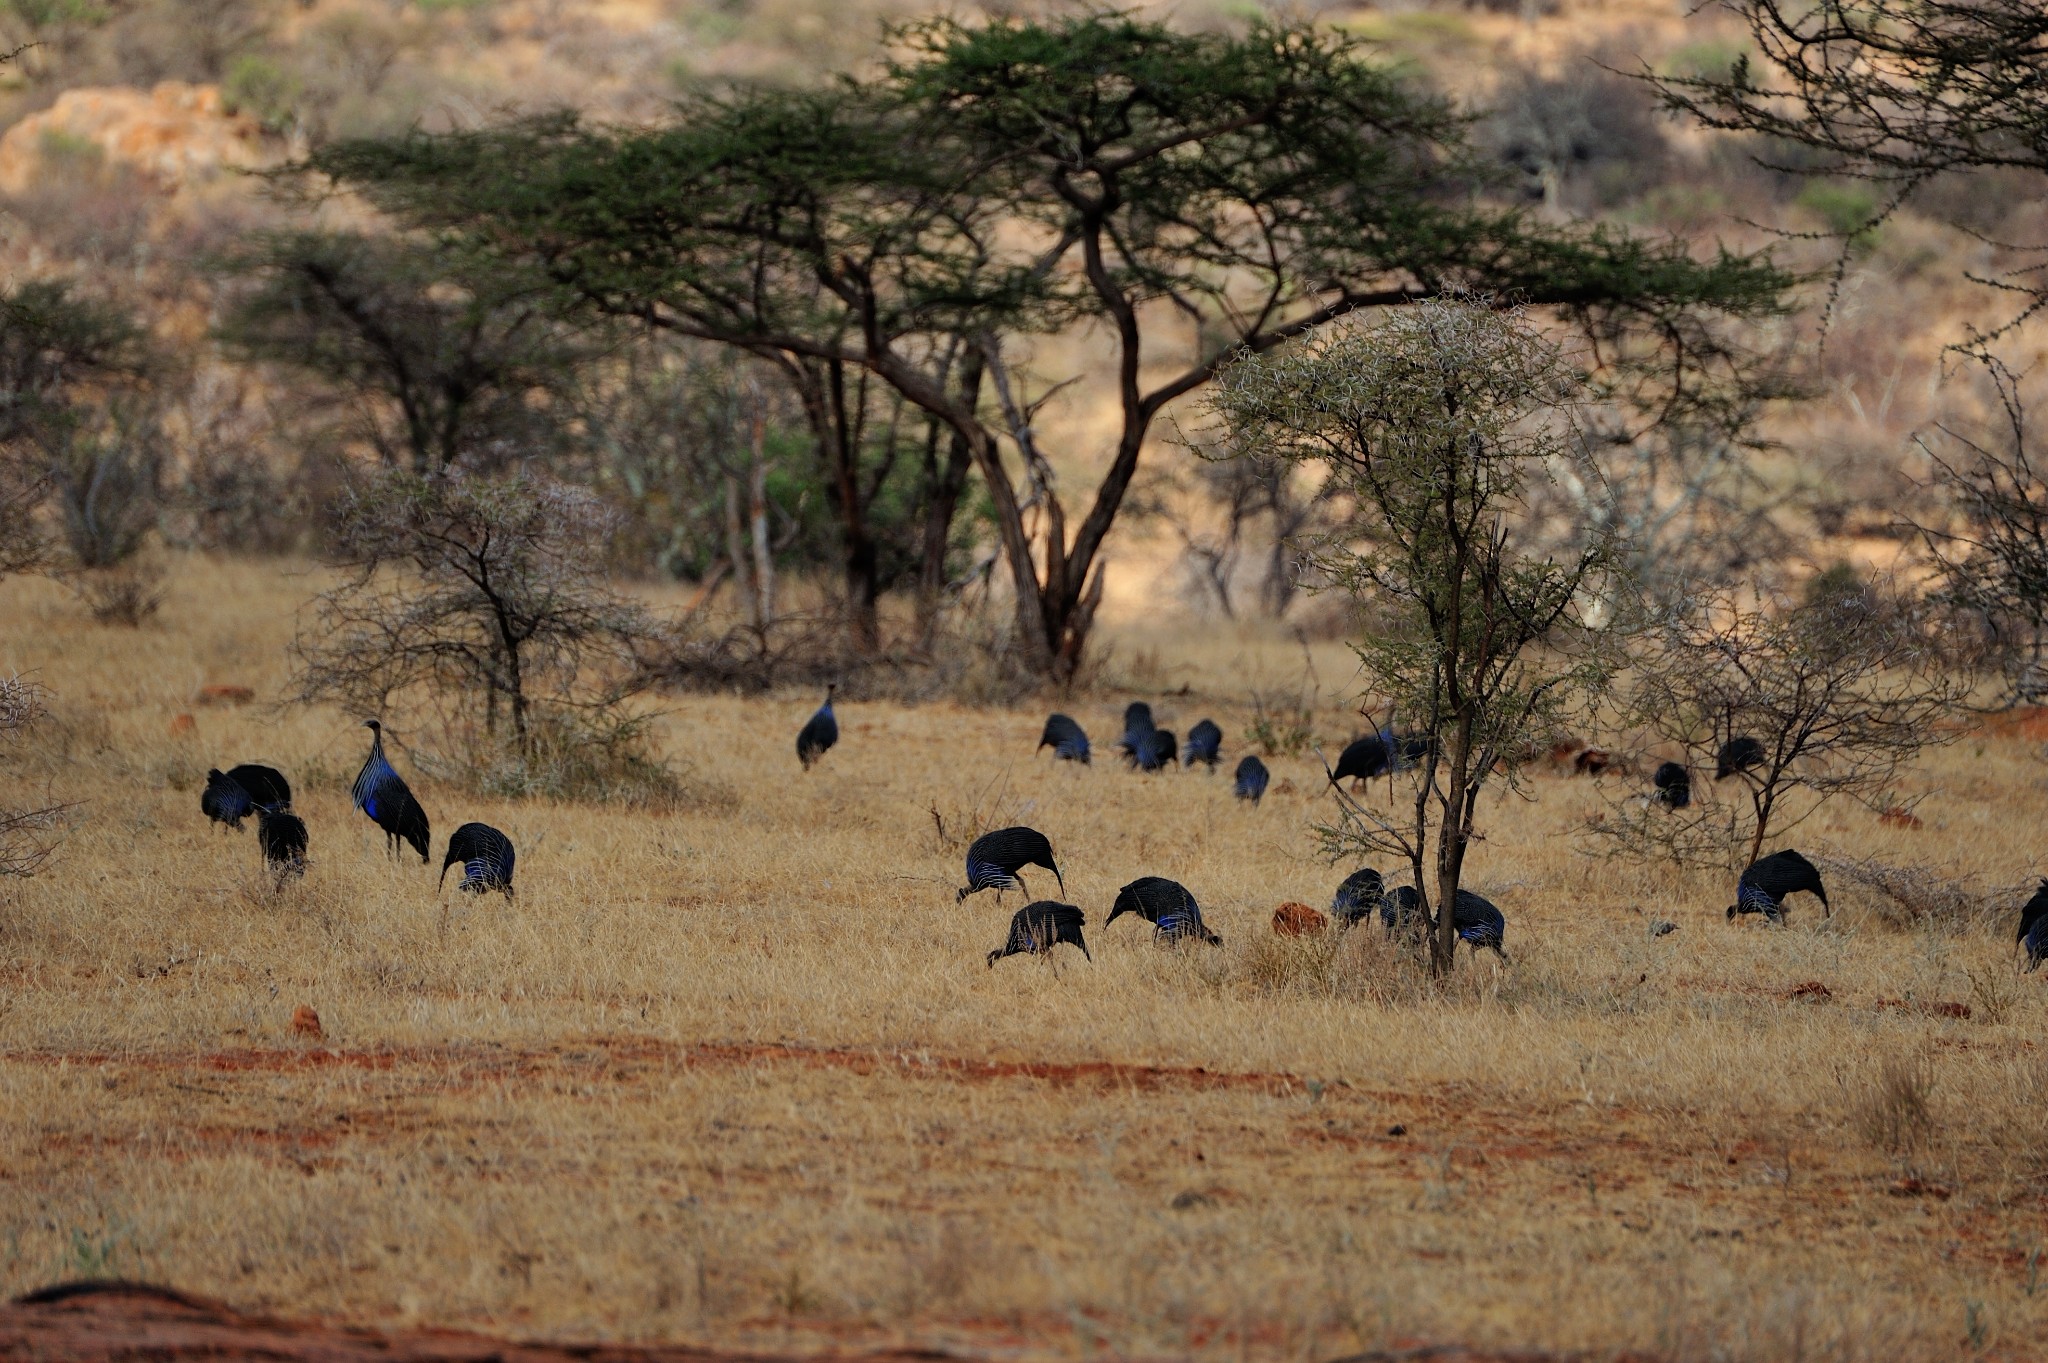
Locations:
column 175, row 133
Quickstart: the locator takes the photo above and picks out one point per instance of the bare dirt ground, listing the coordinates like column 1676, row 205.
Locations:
column 736, row 1077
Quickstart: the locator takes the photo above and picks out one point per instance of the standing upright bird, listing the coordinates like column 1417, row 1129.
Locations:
column 486, row 858
column 1065, row 738
column 2034, row 928
column 266, row 786
column 1138, row 726
column 282, row 837
column 1737, row 754
column 1358, row 896
column 1674, row 785
column 1478, row 923
column 819, row 733
column 224, row 801
column 1167, row 906
column 389, row 802
column 1363, row 759
column 994, row 859
column 1763, row 887
column 1040, row 927
column 1252, row 777
column 1205, row 744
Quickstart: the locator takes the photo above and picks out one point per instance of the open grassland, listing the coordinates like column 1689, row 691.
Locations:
column 739, row 1074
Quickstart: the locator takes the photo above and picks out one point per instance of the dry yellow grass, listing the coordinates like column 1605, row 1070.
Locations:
column 739, row 1074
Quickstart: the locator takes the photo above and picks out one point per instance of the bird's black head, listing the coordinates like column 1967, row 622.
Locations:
column 213, row 774
column 373, row 726
column 1732, row 911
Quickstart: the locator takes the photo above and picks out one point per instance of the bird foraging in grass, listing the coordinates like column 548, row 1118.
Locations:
column 1764, row 886
column 266, row 786
column 1163, row 752
column 1737, row 755
column 1066, row 739
column 485, row 856
column 283, row 840
column 1358, row 896
column 1401, row 912
column 994, row 860
column 1205, row 745
column 1038, row 928
column 819, row 733
column 1252, row 777
column 1479, row 924
column 1673, row 783
column 1167, row 906
column 2033, row 933
column 224, row 801
column 389, row 802
column 1137, row 738
column 1363, row 759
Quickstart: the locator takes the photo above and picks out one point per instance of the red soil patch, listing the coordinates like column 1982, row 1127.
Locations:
column 106, row 1322
column 306, row 1022
column 221, row 694
column 1813, row 991
column 2025, row 721
column 182, row 725
column 1900, row 818
column 1943, row 1009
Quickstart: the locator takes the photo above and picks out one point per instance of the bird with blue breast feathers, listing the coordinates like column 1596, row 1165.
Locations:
column 1401, row 912
column 1138, row 727
column 1252, row 777
column 1167, row 906
column 486, row 858
column 1039, row 927
column 1764, row 886
column 819, row 733
column 1066, row 739
column 1162, row 751
column 995, row 859
column 224, row 801
column 1363, row 759
column 1205, row 745
column 2033, row 933
column 382, row 795
column 1479, row 924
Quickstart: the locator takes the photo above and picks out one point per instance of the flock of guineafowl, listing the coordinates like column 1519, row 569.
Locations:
column 996, row 860
column 484, row 853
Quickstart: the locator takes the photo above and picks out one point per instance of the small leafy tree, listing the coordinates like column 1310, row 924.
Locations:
column 1442, row 421
column 1841, row 691
column 483, row 599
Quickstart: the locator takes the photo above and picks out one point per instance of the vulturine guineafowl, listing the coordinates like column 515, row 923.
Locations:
column 1167, row 906
column 1252, row 777
column 266, row 786
column 1764, row 886
column 486, row 858
column 1479, row 924
column 1401, row 912
column 1205, row 745
column 1165, row 751
column 1038, row 928
column 381, row 794
column 224, row 801
column 1358, row 897
column 1066, row 739
column 994, row 860
column 1673, row 782
column 2033, row 933
column 819, row 733
column 1737, row 755
column 1362, row 759
column 1137, row 737
column 283, row 839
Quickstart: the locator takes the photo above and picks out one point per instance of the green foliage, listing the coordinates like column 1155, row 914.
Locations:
column 1848, row 210
column 1013, row 179
column 43, row 14
column 1445, row 424
column 256, row 85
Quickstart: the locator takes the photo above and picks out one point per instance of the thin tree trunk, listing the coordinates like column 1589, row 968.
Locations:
column 736, row 549
column 757, row 515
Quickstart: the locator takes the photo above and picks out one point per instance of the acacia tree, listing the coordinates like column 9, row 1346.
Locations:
column 1841, row 691
column 1442, row 422
column 1186, row 196
column 1896, row 92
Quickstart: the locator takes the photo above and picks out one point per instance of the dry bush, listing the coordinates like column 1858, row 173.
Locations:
column 1908, row 897
column 128, row 594
column 1896, row 1114
column 25, row 834
column 597, row 758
